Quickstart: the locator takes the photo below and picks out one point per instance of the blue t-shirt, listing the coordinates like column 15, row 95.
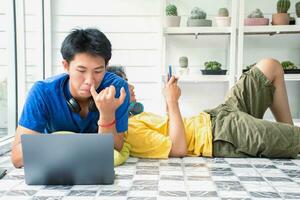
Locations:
column 46, row 109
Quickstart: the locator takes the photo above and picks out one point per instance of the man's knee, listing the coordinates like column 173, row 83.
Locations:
column 271, row 67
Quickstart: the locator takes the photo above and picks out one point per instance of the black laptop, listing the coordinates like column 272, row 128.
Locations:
column 68, row 159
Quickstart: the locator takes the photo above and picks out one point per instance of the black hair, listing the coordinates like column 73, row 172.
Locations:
column 118, row 70
column 90, row 41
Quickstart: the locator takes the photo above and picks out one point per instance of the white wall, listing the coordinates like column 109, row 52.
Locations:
column 33, row 42
column 132, row 26
column 4, row 56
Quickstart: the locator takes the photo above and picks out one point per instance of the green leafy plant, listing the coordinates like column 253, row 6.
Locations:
column 288, row 65
column 171, row 10
column 283, row 6
column 197, row 13
column 212, row 65
column 223, row 12
column 257, row 13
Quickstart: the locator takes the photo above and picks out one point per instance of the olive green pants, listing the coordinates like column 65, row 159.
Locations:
column 238, row 127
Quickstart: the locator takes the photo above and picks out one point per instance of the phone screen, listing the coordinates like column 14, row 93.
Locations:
column 2, row 173
column 170, row 72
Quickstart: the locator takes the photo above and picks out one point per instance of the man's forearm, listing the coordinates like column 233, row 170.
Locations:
column 17, row 155
column 108, row 125
column 176, row 130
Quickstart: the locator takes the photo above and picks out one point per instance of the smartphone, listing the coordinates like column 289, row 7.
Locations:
column 170, row 72
column 2, row 173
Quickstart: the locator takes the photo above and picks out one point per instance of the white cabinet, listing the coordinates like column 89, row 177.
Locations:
column 200, row 44
column 234, row 47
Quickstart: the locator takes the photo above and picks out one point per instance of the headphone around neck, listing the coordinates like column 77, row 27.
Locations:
column 73, row 104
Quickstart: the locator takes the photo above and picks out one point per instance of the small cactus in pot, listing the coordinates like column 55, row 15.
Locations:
column 257, row 13
column 198, row 18
column 183, row 68
column 282, row 17
column 172, row 18
column 256, row 18
column 223, row 12
column 223, row 18
column 183, row 62
column 283, row 6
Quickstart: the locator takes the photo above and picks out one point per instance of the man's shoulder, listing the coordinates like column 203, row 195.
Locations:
column 48, row 85
column 112, row 79
column 51, row 81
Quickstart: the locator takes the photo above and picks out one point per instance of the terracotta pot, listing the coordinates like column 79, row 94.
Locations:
column 256, row 21
column 223, row 21
column 172, row 21
column 280, row 19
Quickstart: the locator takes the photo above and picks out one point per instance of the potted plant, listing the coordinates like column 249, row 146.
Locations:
column 289, row 67
column 213, row 68
column 281, row 17
column 172, row 18
column 298, row 13
column 183, row 62
column 223, row 18
column 256, row 18
column 198, row 18
column 183, row 65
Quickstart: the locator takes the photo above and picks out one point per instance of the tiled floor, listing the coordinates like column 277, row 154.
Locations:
column 187, row 178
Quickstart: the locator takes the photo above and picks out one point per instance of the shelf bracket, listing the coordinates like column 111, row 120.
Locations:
column 196, row 35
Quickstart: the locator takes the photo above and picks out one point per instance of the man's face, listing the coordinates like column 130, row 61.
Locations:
column 84, row 70
column 131, row 88
column 132, row 93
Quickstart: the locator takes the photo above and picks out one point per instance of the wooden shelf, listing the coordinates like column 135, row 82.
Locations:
column 197, row 30
column 296, row 122
column 202, row 78
column 292, row 77
column 272, row 30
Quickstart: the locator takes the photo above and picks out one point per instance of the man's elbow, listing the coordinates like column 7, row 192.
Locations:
column 17, row 162
column 119, row 145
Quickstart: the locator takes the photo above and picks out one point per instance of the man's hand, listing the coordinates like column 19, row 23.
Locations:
column 106, row 101
column 172, row 91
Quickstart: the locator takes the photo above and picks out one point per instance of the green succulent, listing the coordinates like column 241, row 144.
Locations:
column 197, row 13
column 223, row 12
column 212, row 65
column 288, row 65
column 257, row 13
column 171, row 10
column 283, row 6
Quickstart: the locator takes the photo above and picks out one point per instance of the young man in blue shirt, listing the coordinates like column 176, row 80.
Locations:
column 86, row 99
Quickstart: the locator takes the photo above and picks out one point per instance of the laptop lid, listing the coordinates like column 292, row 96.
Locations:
column 68, row 159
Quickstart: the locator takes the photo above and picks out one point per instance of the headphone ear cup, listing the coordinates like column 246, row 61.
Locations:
column 135, row 108
column 92, row 106
column 73, row 105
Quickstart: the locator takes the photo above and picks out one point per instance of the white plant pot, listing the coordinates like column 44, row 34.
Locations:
column 298, row 21
column 181, row 71
column 223, row 21
column 171, row 21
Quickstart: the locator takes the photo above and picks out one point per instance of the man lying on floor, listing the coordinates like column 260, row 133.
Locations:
column 232, row 129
